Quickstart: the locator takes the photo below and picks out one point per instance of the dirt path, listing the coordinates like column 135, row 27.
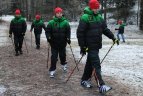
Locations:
column 27, row 75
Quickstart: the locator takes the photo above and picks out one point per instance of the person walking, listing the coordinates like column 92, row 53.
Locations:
column 58, row 35
column 37, row 24
column 18, row 28
column 120, row 30
column 89, row 34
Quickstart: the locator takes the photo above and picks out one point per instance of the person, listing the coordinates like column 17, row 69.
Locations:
column 18, row 27
column 120, row 30
column 89, row 34
column 58, row 35
column 37, row 24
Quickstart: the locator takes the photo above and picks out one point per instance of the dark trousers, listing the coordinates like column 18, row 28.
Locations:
column 18, row 41
column 54, row 57
column 37, row 38
column 92, row 62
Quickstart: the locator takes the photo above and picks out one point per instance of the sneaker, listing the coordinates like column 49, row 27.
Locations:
column 104, row 88
column 64, row 67
column 21, row 52
column 86, row 84
column 37, row 47
column 52, row 74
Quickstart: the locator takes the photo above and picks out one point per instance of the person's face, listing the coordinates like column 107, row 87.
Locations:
column 17, row 15
column 59, row 15
column 95, row 11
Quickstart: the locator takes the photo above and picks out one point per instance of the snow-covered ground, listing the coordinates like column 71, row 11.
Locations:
column 124, row 62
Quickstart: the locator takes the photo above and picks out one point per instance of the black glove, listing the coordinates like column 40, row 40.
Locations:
column 116, row 41
column 23, row 34
column 10, row 35
column 83, row 50
column 68, row 41
column 49, row 39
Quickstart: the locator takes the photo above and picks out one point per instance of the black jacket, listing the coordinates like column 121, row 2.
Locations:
column 90, row 30
column 38, row 25
column 18, row 26
column 58, row 31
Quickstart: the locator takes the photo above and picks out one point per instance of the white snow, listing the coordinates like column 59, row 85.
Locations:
column 7, row 18
column 2, row 89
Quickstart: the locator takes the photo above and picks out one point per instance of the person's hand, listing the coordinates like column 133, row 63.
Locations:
column 49, row 40
column 116, row 41
column 83, row 50
column 23, row 34
column 10, row 35
column 68, row 41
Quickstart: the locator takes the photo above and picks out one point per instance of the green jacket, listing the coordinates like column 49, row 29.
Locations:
column 58, row 30
column 18, row 26
column 90, row 30
column 38, row 25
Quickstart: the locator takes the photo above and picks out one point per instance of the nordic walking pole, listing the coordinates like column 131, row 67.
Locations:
column 25, row 44
column 48, row 54
column 74, row 57
column 74, row 69
column 12, row 42
column 107, row 53
column 31, row 39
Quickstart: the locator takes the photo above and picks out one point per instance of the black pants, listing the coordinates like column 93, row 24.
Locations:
column 54, row 57
column 37, row 38
column 18, row 41
column 92, row 62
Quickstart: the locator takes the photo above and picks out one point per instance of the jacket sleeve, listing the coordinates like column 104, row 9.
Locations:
column 81, row 33
column 48, row 31
column 68, row 31
column 11, row 28
column 107, row 31
column 24, row 26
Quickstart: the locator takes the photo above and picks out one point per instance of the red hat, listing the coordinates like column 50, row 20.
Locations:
column 58, row 9
column 37, row 17
column 17, row 12
column 94, row 4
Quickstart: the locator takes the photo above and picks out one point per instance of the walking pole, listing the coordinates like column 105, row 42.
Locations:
column 74, row 69
column 48, row 54
column 25, row 44
column 107, row 53
column 74, row 57
column 31, row 39
column 12, row 42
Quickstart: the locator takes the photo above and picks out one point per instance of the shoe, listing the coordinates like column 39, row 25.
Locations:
column 52, row 74
column 104, row 88
column 64, row 67
column 37, row 47
column 16, row 54
column 86, row 84
column 20, row 51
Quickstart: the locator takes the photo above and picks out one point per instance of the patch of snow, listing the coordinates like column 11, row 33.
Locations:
column 2, row 89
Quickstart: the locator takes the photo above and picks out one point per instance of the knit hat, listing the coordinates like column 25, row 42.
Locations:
column 58, row 9
column 94, row 4
column 17, row 12
column 37, row 17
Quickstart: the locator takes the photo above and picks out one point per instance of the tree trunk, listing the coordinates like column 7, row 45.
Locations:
column 141, row 15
